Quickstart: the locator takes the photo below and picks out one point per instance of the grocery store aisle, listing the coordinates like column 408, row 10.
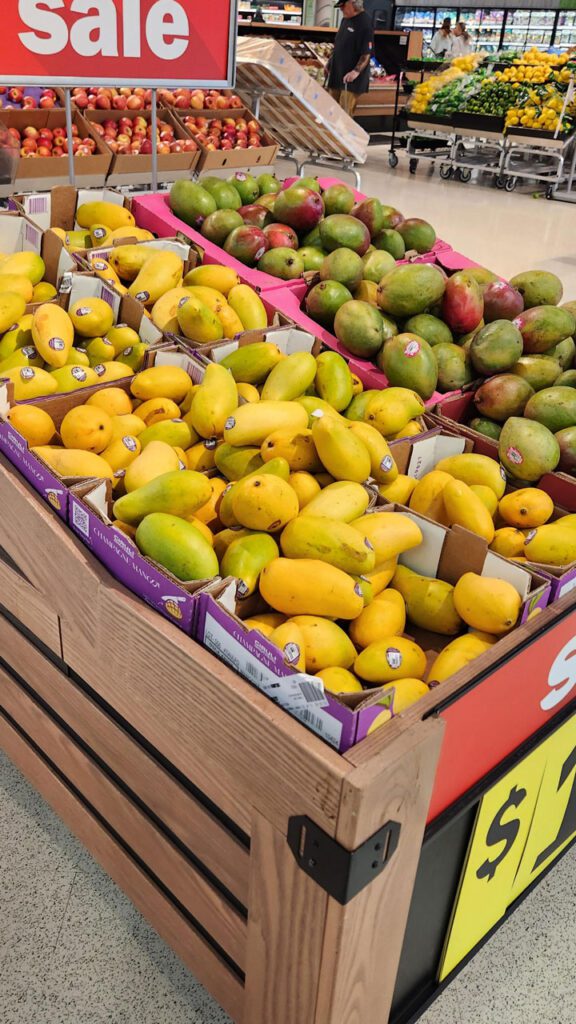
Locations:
column 73, row 950
column 507, row 232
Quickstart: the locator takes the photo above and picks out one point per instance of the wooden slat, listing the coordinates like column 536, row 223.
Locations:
column 363, row 940
column 30, row 607
column 201, row 832
column 230, row 740
column 173, row 927
column 285, row 933
column 190, row 888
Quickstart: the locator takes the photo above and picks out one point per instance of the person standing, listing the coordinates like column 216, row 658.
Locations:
column 461, row 42
column 349, row 66
column 442, row 39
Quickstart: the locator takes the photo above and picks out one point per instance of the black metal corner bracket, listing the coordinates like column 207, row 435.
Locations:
column 341, row 873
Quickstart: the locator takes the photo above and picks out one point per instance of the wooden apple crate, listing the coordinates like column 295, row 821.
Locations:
column 280, row 871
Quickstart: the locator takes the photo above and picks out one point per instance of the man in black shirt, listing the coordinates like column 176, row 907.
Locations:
column 349, row 75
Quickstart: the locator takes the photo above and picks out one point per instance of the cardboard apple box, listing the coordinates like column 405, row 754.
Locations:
column 33, row 172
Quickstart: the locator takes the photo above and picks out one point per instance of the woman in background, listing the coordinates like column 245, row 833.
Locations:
column 442, row 40
column 461, row 42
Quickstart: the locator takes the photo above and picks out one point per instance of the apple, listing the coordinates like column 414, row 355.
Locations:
column 242, row 144
column 176, row 147
column 30, row 144
column 29, row 103
column 134, row 103
column 98, row 128
column 30, row 133
column 146, row 147
column 221, row 103
column 189, row 146
column 58, row 151
column 46, row 102
column 27, row 153
column 226, row 144
column 103, row 102
column 119, row 103
column 253, row 126
column 163, row 148
column 234, row 102
column 123, row 150
column 15, row 95
column 59, row 133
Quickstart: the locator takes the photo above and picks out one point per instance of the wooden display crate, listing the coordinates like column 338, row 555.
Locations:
column 244, row 853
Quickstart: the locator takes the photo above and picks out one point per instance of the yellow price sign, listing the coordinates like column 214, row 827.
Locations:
column 523, row 823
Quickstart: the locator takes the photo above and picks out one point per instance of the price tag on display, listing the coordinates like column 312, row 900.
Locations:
column 523, row 823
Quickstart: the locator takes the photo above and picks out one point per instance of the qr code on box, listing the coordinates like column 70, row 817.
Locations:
column 81, row 519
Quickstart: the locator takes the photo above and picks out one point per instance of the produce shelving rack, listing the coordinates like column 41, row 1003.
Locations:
column 296, row 883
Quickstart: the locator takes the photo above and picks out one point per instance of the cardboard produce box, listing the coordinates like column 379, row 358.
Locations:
column 214, row 159
column 33, row 172
column 128, row 168
column 344, row 720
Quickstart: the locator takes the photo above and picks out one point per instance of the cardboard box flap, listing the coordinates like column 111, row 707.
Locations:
column 18, row 234
column 427, row 453
column 425, row 559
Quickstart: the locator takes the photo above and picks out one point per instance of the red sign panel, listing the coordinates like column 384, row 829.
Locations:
column 493, row 718
column 118, row 42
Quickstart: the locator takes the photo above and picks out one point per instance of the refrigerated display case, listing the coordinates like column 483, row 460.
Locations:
column 421, row 18
column 274, row 12
column 525, row 29
column 565, row 35
column 485, row 26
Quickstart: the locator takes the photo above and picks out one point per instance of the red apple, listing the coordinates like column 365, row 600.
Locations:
column 103, row 102
column 59, row 133
column 189, row 146
column 30, row 144
column 57, row 151
column 134, row 103
column 29, row 103
column 30, row 132
column 164, row 148
column 226, row 144
column 235, row 102
column 15, row 95
column 221, row 103
column 146, row 147
column 119, row 103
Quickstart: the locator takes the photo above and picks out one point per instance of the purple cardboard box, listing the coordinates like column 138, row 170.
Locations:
column 88, row 517
column 50, row 487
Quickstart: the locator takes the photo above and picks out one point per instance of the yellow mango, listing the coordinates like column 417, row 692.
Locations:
column 73, row 377
column 128, row 425
column 412, row 428
column 342, row 454
column 339, row 680
column 30, row 382
column 214, row 402
column 90, row 316
column 197, row 322
column 173, row 432
column 465, row 508
column 203, row 528
column 390, row 533
column 248, row 305
column 53, row 334
column 288, row 637
column 390, row 410
column 325, row 479
column 306, row 487
column 325, row 643
column 306, row 586
column 508, row 541
column 165, row 309
column 266, row 623
column 34, row 424
column 18, row 336
column 178, row 493
column 107, row 372
column 475, row 469
column 200, row 456
column 27, row 356
column 113, row 401
column 383, row 469
column 224, row 538
column 552, row 544
column 106, row 273
column 157, row 459
column 212, row 276
column 128, row 260
column 297, row 447
column 317, row 406
column 264, row 502
column 177, row 545
column 17, row 284
column 234, row 463
column 487, row 497
column 526, row 508
column 399, row 491
column 122, row 337
column 161, row 382
column 12, row 308
column 44, row 292
column 333, row 380
column 120, row 454
column 329, row 540
column 74, row 462
column 250, row 424
column 111, row 214
column 130, row 231
column 100, row 350
column 385, row 616
column 212, row 298
column 357, row 385
column 130, row 531
column 289, row 378
column 160, row 273
column 456, row 655
column 231, row 322
column 405, row 693
column 245, row 559
column 86, row 427
column 384, row 717
column 429, row 602
column 209, row 512
column 155, row 410
column 339, row 500
column 248, row 392
column 487, row 603
column 389, row 659
column 367, row 291
column 252, row 363
column 277, row 467
column 427, row 498
column 24, row 264
column 381, row 575
column 78, row 357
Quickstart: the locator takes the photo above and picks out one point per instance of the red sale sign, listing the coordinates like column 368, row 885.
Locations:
column 118, row 42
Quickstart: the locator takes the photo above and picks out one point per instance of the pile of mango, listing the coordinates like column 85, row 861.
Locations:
column 246, row 475
column 53, row 350
column 286, row 232
column 101, row 224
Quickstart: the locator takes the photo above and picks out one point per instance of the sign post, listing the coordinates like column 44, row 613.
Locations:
column 149, row 43
column 70, row 137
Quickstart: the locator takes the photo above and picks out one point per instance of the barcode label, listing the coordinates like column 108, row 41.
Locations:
column 81, row 519
column 312, row 693
column 323, row 724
